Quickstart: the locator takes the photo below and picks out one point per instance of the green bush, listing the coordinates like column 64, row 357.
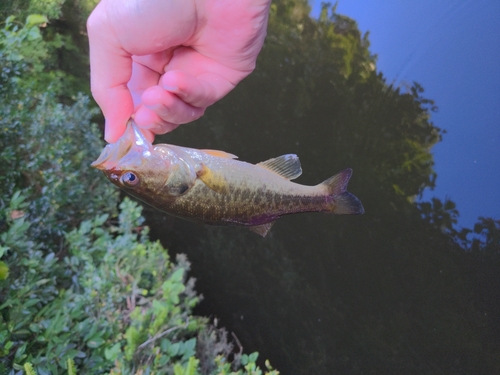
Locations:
column 126, row 309
column 46, row 147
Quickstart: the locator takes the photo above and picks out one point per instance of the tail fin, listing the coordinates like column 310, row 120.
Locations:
column 347, row 204
column 343, row 202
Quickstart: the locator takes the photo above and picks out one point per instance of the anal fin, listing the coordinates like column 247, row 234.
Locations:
column 262, row 229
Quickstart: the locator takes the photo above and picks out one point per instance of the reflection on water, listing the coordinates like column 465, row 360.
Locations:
column 386, row 292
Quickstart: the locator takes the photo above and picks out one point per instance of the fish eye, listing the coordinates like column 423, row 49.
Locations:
column 129, row 179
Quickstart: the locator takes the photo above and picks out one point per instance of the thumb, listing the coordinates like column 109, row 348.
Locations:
column 110, row 71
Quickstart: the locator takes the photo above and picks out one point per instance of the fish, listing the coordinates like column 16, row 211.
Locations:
column 212, row 187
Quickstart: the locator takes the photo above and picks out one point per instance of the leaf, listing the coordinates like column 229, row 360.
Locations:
column 35, row 328
column 4, row 270
column 35, row 19
column 188, row 348
column 31, row 302
column 71, row 367
column 178, row 275
column 244, row 359
column 178, row 369
column 9, row 20
column 191, row 368
column 173, row 349
column 28, row 368
column 17, row 200
column 20, row 352
column 95, row 342
column 112, row 353
column 100, row 220
column 253, row 357
column 3, row 250
column 42, row 281
column 49, row 258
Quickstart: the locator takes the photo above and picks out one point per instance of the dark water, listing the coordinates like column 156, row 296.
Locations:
column 388, row 292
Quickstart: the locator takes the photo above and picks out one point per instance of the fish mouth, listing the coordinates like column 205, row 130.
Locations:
column 110, row 156
column 130, row 145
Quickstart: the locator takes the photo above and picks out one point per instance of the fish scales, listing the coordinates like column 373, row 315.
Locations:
column 211, row 187
column 242, row 205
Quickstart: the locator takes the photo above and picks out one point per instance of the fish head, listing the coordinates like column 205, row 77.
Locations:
column 135, row 165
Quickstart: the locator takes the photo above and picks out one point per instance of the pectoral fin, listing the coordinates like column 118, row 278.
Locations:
column 262, row 229
column 215, row 181
column 181, row 178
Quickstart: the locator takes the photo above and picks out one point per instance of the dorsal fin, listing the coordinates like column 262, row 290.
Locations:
column 220, row 154
column 287, row 166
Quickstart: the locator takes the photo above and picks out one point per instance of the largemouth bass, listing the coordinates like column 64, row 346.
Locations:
column 212, row 187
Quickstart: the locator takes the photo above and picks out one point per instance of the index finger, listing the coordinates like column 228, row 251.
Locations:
column 110, row 71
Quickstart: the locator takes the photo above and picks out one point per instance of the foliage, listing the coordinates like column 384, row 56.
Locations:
column 440, row 215
column 482, row 262
column 47, row 147
column 23, row 8
column 126, row 308
column 58, row 62
column 26, row 56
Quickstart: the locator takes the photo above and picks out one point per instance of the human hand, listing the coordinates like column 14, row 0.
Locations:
column 166, row 61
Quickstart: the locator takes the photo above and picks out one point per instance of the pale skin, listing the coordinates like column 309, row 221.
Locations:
column 165, row 61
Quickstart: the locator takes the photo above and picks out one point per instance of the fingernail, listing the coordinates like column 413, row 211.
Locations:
column 170, row 88
column 156, row 107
